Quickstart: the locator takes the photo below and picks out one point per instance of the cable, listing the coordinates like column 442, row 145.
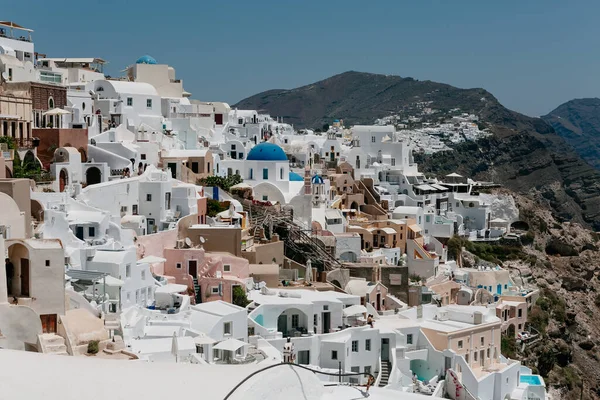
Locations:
column 298, row 366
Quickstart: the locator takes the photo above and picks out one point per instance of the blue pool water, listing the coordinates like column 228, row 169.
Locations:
column 531, row 380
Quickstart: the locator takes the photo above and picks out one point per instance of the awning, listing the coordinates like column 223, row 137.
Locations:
column 230, row 345
column 426, row 187
column 171, row 288
column 200, row 340
column 152, row 260
column 354, row 310
column 415, row 228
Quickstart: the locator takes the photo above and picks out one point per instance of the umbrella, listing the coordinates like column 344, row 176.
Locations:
column 175, row 346
column 354, row 310
column 56, row 111
column 200, row 340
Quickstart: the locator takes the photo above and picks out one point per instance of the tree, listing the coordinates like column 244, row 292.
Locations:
column 325, row 127
column 214, row 207
column 455, row 246
column 239, row 297
column 218, row 181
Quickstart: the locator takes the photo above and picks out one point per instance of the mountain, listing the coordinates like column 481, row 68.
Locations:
column 578, row 122
column 524, row 154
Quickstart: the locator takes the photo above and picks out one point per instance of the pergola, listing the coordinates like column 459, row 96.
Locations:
column 90, row 278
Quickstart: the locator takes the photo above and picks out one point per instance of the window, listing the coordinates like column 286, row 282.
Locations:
column 409, row 338
column 355, row 346
column 47, row 263
column 178, row 265
column 51, row 102
column 137, row 296
column 128, row 296
column 134, row 209
column 123, row 209
column 280, row 173
column 520, row 326
column 91, row 231
column 265, row 197
column 149, row 103
column 130, row 102
column 265, row 173
column 372, row 139
column 488, row 353
column 295, row 320
column 315, row 320
column 227, row 327
column 334, row 354
column 482, row 341
column 393, row 162
column 148, row 197
column 251, row 174
column 325, row 308
column 475, row 356
column 143, row 156
column 128, row 271
column 520, row 313
column 10, row 74
column 368, row 345
column 460, row 344
column 367, row 369
column 215, row 290
column 227, row 268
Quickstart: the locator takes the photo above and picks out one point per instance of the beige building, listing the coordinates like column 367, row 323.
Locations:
column 19, row 190
column 513, row 314
column 16, row 111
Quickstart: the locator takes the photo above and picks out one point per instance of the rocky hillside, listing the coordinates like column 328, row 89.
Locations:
column 578, row 122
column 563, row 260
column 524, row 154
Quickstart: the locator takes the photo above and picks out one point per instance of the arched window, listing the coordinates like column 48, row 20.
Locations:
column 50, row 102
column 251, row 173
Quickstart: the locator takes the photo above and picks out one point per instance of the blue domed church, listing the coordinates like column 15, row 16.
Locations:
column 267, row 169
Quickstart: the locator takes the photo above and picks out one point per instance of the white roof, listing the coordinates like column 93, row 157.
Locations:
column 141, row 88
column 354, row 310
column 204, row 340
column 230, row 345
column 112, row 281
column 408, row 210
column 152, row 260
column 86, row 217
column 162, row 345
column 110, row 256
column 76, row 60
column 218, row 307
column 124, row 380
column 359, row 287
column 184, row 153
column 171, row 288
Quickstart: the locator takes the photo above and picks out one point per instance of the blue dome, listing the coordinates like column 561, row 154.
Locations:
column 294, row 177
column 317, row 180
column 146, row 60
column 266, row 152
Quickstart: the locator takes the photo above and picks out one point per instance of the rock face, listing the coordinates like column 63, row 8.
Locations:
column 578, row 122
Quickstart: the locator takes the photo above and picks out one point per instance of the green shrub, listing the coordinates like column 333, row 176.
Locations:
column 528, row 238
column 508, row 344
column 92, row 347
column 239, row 297
column 557, row 247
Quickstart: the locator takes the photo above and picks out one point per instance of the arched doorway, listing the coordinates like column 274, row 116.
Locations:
column 18, row 256
column 63, row 179
column 354, row 206
column 93, row 176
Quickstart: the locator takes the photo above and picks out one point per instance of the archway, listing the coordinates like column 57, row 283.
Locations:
column 63, row 179
column 354, row 206
column 93, row 176
column 292, row 320
column 348, row 256
column 18, row 255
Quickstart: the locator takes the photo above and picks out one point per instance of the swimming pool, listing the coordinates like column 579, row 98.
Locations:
column 533, row 380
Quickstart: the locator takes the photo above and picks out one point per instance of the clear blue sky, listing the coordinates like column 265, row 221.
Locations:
column 532, row 55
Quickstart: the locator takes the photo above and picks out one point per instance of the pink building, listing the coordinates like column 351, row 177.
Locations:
column 217, row 273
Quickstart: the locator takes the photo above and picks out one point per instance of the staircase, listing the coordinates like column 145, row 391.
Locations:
column 385, row 373
column 197, row 290
column 51, row 343
column 111, row 322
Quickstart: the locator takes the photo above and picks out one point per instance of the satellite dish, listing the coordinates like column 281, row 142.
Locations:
column 188, row 242
column 202, row 240
column 5, row 76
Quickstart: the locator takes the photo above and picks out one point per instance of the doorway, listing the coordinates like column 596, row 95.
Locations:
column 24, row 277
column 193, row 268
column 79, row 232
column 63, row 180
column 282, row 324
column 326, row 318
column 150, row 225
column 385, row 349
column 173, row 167
column 93, row 176
column 304, row 357
column 48, row 323
column 378, row 301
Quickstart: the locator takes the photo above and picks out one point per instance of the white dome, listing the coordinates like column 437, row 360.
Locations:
column 281, row 382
